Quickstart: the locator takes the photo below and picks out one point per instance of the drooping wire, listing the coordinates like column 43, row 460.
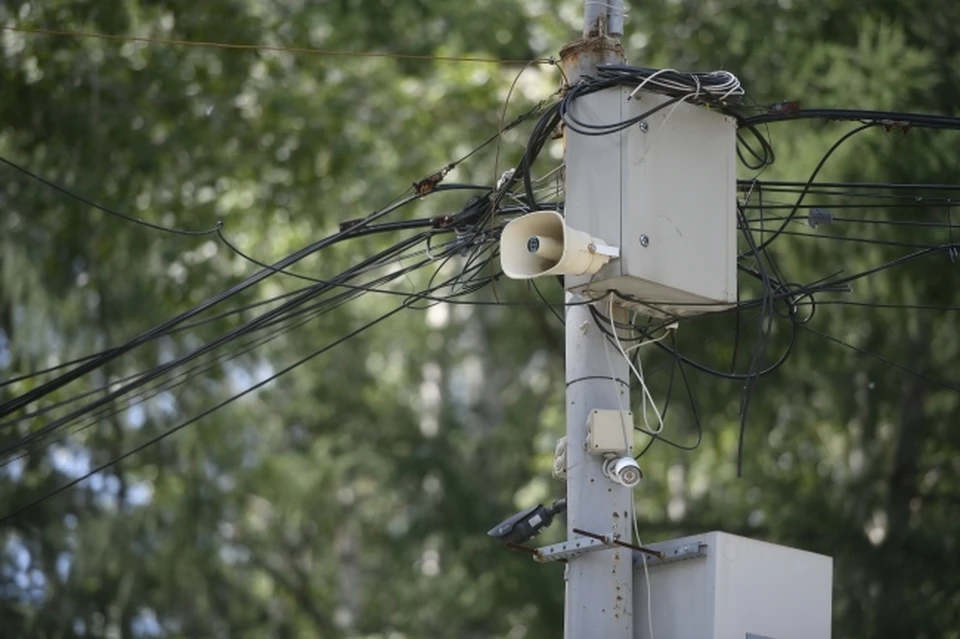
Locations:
column 675, row 365
column 353, row 229
column 183, row 327
column 268, row 47
column 55, row 384
column 813, row 176
column 345, row 296
column 205, row 348
column 79, row 198
column 200, row 369
column 154, row 440
column 888, row 362
column 100, row 468
column 351, row 291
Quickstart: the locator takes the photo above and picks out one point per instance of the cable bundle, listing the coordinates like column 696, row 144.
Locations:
column 718, row 89
column 474, row 247
column 715, row 87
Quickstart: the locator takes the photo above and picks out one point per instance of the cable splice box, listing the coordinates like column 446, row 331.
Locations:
column 674, row 217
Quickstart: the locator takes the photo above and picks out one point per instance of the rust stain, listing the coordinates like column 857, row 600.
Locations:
column 602, row 47
column 429, row 183
column 586, row 46
column 599, row 26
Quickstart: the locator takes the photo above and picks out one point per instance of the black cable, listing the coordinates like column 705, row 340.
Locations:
column 34, row 394
column 884, row 360
column 666, row 406
column 547, row 303
column 693, row 409
column 835, row 284
column 853, row 220
column 813, row 176
column 199, row 369
column 760, row 345
column 764, row 159
column 666, row 402
column 600, row 319
column 144, row 395
column 379, row 228
column 732, row 376
column 736, row 335
column 878, row 305
column 167, row 433
column 586, row 128
column 196, row 418
column 889, row 119
column 178, row 329
column 223, row 339
column 854, row 240
column 794, row 186
column 323, row 305
column 796, row 322
column 107, row 210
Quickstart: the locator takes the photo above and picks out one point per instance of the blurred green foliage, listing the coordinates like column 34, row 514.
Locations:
column 351, row 498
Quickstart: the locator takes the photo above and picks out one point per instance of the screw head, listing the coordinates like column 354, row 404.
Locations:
column 644, row 127
column 644, row 240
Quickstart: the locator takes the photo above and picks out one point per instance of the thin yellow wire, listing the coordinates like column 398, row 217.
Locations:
column 267, row 47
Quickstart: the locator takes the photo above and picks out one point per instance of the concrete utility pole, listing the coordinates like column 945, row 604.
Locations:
column 632, row 225
column 599, row 585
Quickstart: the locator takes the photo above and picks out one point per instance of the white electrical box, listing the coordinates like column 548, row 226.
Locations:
column 610, row 432
column 674, row 217
column 721, row 586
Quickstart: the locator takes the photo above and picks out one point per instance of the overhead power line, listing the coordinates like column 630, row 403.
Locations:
column 270, row 47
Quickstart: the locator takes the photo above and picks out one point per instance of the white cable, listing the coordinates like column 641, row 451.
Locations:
column 646, row 572
column 727, row 84
column 653, row 340
column 648, row 79
column 645, row 392
column 549, row 174
column 627, row 430
column 638, row 371
column 616, row 388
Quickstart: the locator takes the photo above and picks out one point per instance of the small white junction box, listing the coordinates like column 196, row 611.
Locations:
column 674, row 218
column 721, row 586
column 609, row 432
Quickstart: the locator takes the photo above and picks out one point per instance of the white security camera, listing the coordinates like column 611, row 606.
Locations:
column 623, row 470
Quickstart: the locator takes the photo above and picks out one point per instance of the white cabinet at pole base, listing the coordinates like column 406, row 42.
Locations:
column 722, row 586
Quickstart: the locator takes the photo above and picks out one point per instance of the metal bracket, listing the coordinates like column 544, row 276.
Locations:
column 590, row 542
column 569, row 549
column 673, row 553
column 602, row 249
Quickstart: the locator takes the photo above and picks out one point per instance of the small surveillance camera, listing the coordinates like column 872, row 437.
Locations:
column 526, row 524
column 623, row 470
